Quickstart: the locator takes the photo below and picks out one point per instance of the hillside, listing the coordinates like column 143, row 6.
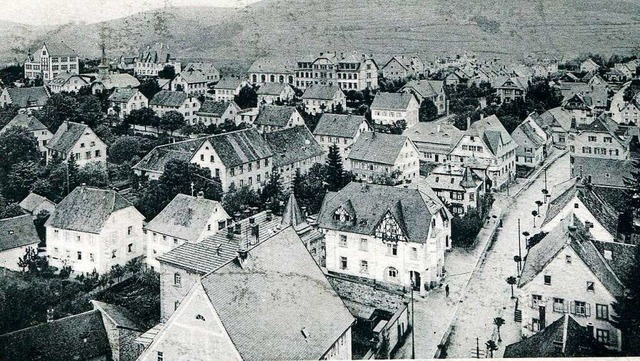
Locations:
column 491, row 28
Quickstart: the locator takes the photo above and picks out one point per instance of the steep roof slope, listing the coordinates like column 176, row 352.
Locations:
column 17, row 232
column 378, row 147
column 292, row 145
column 338, row 125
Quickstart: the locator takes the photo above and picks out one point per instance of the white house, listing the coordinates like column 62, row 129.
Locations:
column 16, row 235
column 388, row 108
column 217, row 112
column 531, row 147
column 211, row 73
column 52, row 59
column 341, row 130
column 34, row 204
column 388, row 234
column 94, row 229
column 272, row 70
column 270, row 93
column 166, row 101
column 323, row 98
column 154, row 59
column 348, row 71
column 193, row 82
column 184, row 219
column 589, row 66
column 26, row 99
column 227, row 88
column 428, row 89
column 78, row 141
column 32, row 124
column 123, row 100
column 67, row 82
column 401, row 67
column 274, row 117
column 434, row 140
column 461, row 188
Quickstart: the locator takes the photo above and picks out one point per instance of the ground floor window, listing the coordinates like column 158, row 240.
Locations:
column 602, row 336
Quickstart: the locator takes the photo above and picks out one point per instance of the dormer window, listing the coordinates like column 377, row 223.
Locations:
column 342, row 215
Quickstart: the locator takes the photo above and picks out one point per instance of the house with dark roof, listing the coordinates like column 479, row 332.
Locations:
column 599, row 139
column 211, row 73
column 67, row 82
column 227, row 88
column 26, row 99
column 32, row 124
column 270, row 93
column 184, row 219
column 560, row 123
column 192, row 81
column 104, row 82
column 392, row 235
column 402, row 67
column 217, row 112
column 94, row 229
column 166, row 101
column 294, row 151
column 340, row 129
column 581, row 108
column 123, row 100
column 601, row 171
column 565, row 337
column 389, row 108
column 154, row 59
column 460, row 188
column 78, row 141
column 563, row 274
column 434, row 140
column 246, row 301
column 323, row 98
column 34, row 204
column 16, row 235
column 348, row 71
column 275, row 117
column 269, row 70
column 530, row 152
column 486, row 144
column 50, row 60
column 376, row 156
column 512, row 88
column 428, row 89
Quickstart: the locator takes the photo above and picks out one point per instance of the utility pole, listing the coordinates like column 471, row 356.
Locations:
column 477, row 348
column 192, row 185
column 519, row 248
column 545, row 179
column 413, row 327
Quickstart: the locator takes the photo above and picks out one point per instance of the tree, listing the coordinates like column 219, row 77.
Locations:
column 7, row 113
column 117, row 271
column 538, row 203
column 389, row 179
column 310, row 188
column 512, row 281
column 124, row 149
column 335, row 172
column 10, row 74
column 20, row 180
column 626, row 311
column 171, row 121
column 89, row 110
column 17, row 145
column 237, row 200
column 498, row 321
column 144, row 117
column 58, row 108
column 428, row 111
column 272, row 194
column 534, row 214
column 247, row 97
column 149, row 87
column 491, row 346
column 39, row 221
column 631, row 91
column 168, row 72
column 93, row 174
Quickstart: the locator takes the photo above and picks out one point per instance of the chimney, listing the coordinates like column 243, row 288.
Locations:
column 468, row 123
column 252, row 221
column 243, row 255
column 304, row 211
column 200, row 194
column 269, row 215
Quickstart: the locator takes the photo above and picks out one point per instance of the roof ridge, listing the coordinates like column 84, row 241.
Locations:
column 57, row 320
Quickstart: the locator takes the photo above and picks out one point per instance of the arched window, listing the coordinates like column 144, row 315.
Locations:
column 255, row 78
column 263, row 78
column 200, row 317
column 272, row 78
column 281, row 79
column 290, row 79
column 391, row 274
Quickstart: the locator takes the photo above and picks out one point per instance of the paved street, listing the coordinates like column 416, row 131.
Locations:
column 476, row 298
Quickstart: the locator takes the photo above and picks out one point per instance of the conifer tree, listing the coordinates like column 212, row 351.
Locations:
column 335, row 172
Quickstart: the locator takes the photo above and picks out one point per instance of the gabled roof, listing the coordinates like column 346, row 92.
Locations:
column 622, row 258
column 367, row 204
column 405, row 61
column 560, row 194
column 122, row 95
column 167, row 98
column 28, row 97
column 272, row 65
column 431, row 132
column 59, row 49
column 274, row 115
column 292, row 215
column 525, row 136
column 158, row 53
column 339, row 125
column 557, row 118
column 514, row 83
column 25, row 121
column 378, row 147
column 240, row 147
column 67, row 136
column 424, row 88
column 186, row 217
column 228, row 83
column 491, row 130
column 120, row 316
column 17, row 232
column 392, row 101
column 602, row 171
column 77, row 337
column 122, row 80
column 272, row 89
column 283, row 297
column 215, row 108
column 86, row 209
column 64, row 76
column 192, row 76
column 159, row 156
column 33, row 201
column 603, row 124
column 565, row 337
column 292, row 145
column 322, row 92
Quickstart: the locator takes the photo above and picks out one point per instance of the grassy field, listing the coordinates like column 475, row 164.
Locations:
column 491, row 28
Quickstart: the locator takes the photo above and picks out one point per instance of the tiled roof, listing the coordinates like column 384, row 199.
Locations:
column 240, row 147
column 272, row 89
column 122, row 95
column 602, row 171
column 215, row 108
column 122, row 80
column 67, row 136
column 425, row 88
column 159, row 156
column 120, row 316
column 606, row 214
column 228, row 83
column 514, row 83
column 339, row 125
column 185, row 217
column 565, row 337
column 25, row 121
column 167, row 98
column 431, row 132
column 292, row 145
column 86, row 209
column 193, row 76
column 283, row 297
column 158, row 53
column 560, row 194
column 17, row 232
column 392, row 101
column 292, row 215
column 322, row 92
column 272, row 65
column 369, row 203
column 59, row 49
column 491, row 130
column 28, row 97
column 557, row 117
column 77, row 337
column 201, row 66
column 378, row 147
column 274, row 115
column 525, row 136
column 63, row 77
column 622, row 258
column 32, row 201
column 453, row 178
column 603, row 124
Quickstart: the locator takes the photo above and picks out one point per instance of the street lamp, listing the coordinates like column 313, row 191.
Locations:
column 539, row 203
column 413, row 326
column 519, row 249
column 534, row 214
column 545, row 192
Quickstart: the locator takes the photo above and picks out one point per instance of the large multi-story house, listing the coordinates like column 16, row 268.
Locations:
column 388, row 234
column 274, row 117
column 270, row 93
column 269, row 70
column 599, row 140
column 238, row 295
column 380, row 155
column 428, row 89
column 67, row 82
column 193, row 82
column 211, row 74
column 460, row 188
column 323, row 98
column 154, row 59
column 389, row 108
column 26, row 99
column 184, row 219
column 512, row 89
column 294, row 151
column 434, row 140
column 559, row 122
column 239, row 158
column 346, row 71
column 340, row 129
column 123, row 100
column 94, row 229
column 565, row 273
column 35, row 127
column 486, row 144
column 166, row 101
column 402, row 67
column 227, row 88
column 217, row 112
column 78, row 141
column 49, row 61
column 531, row 147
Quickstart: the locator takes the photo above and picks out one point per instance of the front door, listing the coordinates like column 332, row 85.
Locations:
column 437, row 157
column 415, row 280
column 542, row 316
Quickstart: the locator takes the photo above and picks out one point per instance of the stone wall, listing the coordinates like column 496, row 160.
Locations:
column 371, row 294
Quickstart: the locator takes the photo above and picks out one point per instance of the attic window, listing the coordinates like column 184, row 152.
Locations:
column 575, row 205
column 590, row 287
column 607, row 175
column 568, row 258
column 608, row 255
column 588, row 224
column 200, row 317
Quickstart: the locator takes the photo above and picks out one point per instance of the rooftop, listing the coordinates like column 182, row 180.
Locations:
column 322, row 92
column 434, row 133
column 28, row 97
column 378, row 147
column 32, row 201
column 392, row 101
column 25, row 121
column 122, row 95
column 339, row 125
column 274, row 115
column 292, row 145
column 16, row 232
column 67, row 136
column 166, row 98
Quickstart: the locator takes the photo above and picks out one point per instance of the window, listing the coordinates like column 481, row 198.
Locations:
column 91, row 257
column 547, row 280
column 202, row 157
column 129, row 229
column 392, row 249
column 81, row 145
column 177, row 279
column 602, row 311
column 343, row 262
column 113, row 253
column 590, row 287
column 130, row 247
column 176, row 304
column 602, row 336
column 364, row 245
column 568, row 258
column 364, row 266
column 212, row 159
column 98, row 153
column 175, row 241
column 343, row 240
column 414, row 253
column 392, row 273
column 536, row 299
column 581, row 308
column 79, row 255
column 92, row 144
column 87, row 155
column 592, row 138
column 160, row 356
column 575, row 205
column 558, row 304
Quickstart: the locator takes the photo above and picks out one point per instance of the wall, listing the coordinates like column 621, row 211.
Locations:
column 9, row 258
column 157, row 245
column 170, row 292
column 585, row 148
column 583, row 214
column 341, row 349
column 378, row 296
column 87, row 139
